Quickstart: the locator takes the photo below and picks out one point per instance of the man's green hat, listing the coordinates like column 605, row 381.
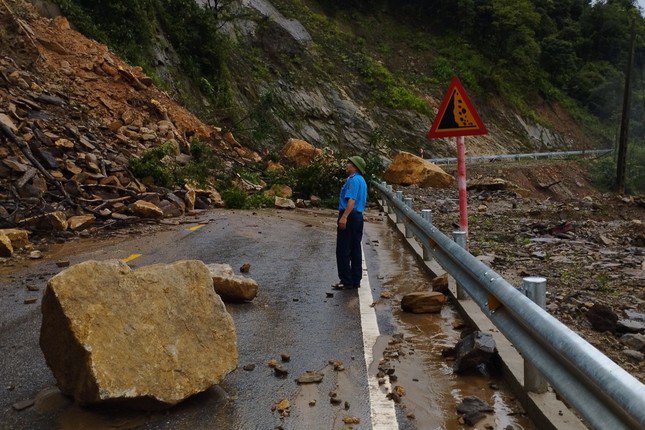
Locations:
column 358, row 162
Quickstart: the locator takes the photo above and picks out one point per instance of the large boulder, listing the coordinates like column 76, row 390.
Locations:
column 408, row 169
column 423, row 302
column 232, row 287
column 300, row 152
column 149, row 337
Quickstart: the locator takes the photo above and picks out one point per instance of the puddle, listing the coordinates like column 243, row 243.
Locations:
column 432, row 389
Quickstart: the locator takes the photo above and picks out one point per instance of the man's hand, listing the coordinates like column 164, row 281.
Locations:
column 342, row 222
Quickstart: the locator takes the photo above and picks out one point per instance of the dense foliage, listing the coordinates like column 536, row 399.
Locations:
column 547, row 48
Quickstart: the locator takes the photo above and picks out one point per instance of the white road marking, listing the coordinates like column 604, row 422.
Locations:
column 382, row 409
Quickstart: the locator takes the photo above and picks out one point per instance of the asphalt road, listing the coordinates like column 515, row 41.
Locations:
column 292, row 258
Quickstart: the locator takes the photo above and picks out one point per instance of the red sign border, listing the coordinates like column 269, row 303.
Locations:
column 433, row 133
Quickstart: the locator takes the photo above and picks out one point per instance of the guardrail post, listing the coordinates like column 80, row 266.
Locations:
column 427, row 215
column 535, row 289
column 398, row 196
column 460, row 239
column 408, row 203
column 384, row 204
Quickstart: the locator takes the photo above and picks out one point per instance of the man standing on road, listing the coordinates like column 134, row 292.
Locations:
column 353, row 197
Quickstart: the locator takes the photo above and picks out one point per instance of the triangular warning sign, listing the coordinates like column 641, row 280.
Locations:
column 457, row 115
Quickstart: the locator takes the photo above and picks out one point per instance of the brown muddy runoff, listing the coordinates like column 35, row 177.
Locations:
column 432, row 389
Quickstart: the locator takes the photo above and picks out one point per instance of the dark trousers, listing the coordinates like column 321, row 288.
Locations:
column 349, row 257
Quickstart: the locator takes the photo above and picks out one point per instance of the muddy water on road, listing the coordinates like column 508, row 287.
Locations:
column 432, row 389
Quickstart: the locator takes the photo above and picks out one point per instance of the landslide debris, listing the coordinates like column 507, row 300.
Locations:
column 73, row 117
column 148, row 337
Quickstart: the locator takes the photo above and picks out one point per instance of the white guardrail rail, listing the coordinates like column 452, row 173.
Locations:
column 533, row 155
column 603, row 393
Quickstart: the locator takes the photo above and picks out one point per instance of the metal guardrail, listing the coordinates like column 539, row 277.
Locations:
column 604, row 394
column 534, row 155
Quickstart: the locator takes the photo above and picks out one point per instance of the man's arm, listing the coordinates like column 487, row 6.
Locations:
column 342, row 222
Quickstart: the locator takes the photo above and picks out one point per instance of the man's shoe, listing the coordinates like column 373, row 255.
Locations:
column 341, row 286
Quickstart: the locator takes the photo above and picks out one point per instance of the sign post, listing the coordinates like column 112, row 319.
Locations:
column 457, row 117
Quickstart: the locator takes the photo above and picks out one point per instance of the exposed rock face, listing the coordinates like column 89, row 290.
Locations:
column 282, row 203
column 300, row 152
column 232, row 287
column 408, row 169
column 150, row 337
column 423, row 302
column 146, row 209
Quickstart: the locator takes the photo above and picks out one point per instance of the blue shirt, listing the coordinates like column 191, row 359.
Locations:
column 355, row 188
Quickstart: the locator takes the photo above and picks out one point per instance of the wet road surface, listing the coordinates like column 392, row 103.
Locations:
column 292, row 258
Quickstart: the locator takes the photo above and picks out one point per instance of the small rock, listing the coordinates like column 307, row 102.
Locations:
column 635, row 341
column 35, row 255
column 145, row 209
column 245, row 268
column 32, row 288
column 635, row 355
column 312, row 403
column 62, row 263
column 329, row 295
column 30, row 300
column 630, row 326
column 249, row 367
column 423, row 302
column 23, row 404
column 471, row 351
column 6, row 249
column 351, row 420
column 387, row 294
column 272, row 363
column 81, row 222
column 280, row 371
column 310, row 377
column 283, row 407
column 346, row 405
column 472, row 409
column 285, row 357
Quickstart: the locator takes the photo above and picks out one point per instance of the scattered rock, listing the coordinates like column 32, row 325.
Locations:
column 299, row 152
column 30, row 301
column 635, row 341
column 285, row 357
column 440, row 284
column 19, row 238
column 473, row 409
column 637, row 356
column 280, row 371
column 282, row 203
column 602, row 318
column 408, row 169
column 423, row 302
column 62, row 263
column 630, row 326
column 232, row 287
column 473, row 350
column 168, row 317
column 245, row 268
column 23, row 404
column 145, row 209
column 310, row 377
column 6, row 249
column 81, row 222
column 283, row 407
column 272, row 363
column 35, row 255
column 249, row 367
column 351, row 420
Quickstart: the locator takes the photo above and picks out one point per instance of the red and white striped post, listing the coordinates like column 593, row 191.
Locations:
column 461, row 186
